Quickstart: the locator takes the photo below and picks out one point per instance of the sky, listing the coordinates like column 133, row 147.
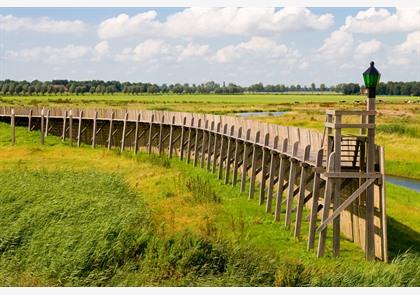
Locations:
column 196, row 45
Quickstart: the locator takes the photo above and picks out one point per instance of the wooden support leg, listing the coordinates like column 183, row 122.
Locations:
column 264, row 168
column 282, row 175
column 136, row 134
column 190, row 129
column 79, row 129
column 63, row 134
column 30, row 120
column 203, row 144
column 95, row 122
column 47, row 123
column 42, row 127
column 197, row 134
column 245, row 161
column 149, row 141
column 221, row 153
column 382, row 201
column 291, row 187
column 215, row 147
column 71, row 127
column 181, row 146
column 315, row 198
column 110, row 131
column 327, row 202
column 12, row 125
column 272, row 173
column 161, row 136
column 253, row 166
column 171, row 137
column 228, row 155
column 236, row 158
column 124, row 132
column 211, row 135
column 302, row 186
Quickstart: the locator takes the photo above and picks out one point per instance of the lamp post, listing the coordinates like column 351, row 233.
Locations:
column 371, row 78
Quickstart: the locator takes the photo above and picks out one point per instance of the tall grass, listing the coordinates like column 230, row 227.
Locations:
column 399, row 129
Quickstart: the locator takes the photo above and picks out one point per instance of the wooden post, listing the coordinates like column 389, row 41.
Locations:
column 282, row 175
column 63, row 135
column 181, row 152
column 149, row 141
column 71, row 127
column 123, row 131
column 245, row 161
column 228, row 154
column 95, row 118
column 136, row 134
column 209, row 146
column 326, row 207
column 253, row 166
column 370, row 161
column 110, row 131
column 30, row 120
column 302, row 191
column 203, row 144
column 315, row 198
column 382, row 200
column 271, row 176
column 197, row 133
column 161, row 136
column 264, row 168
column 222, row 147
column 189, row 140
column 171, row 137
column 12, row 124
column 236, row 158
column 337, row 187
column 216, row 134
column 291, row 187
column 42, row 126
column 79, row 130
column 47, row 123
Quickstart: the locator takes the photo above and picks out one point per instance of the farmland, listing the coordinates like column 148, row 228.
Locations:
column 164, row 231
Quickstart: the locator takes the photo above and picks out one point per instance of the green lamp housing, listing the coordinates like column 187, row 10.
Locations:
column 371, row 76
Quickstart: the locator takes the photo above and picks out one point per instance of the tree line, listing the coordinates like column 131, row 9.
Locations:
column 10, row 87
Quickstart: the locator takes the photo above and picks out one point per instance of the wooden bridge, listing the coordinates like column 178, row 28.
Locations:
column 338, row 177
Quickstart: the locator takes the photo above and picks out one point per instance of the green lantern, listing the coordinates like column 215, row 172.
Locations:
column 371, row 76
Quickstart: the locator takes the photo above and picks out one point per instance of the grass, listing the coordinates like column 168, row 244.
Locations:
column 77, row 216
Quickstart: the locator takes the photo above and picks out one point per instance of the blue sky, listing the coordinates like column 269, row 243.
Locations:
column 193, row 45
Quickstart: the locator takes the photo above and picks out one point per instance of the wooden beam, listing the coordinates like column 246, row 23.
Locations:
column 30, row 120
column 63, row 134
column 110, row 130
column 291, row 187
column 245, row 160
column 190, row 128
column 149, row 141
column 95, row 122
column 228, row 153
column 71, row 127
column 136, row 134
column 203, row 144
column 301, row 198
column 236, row 158
column 79, row 129
column 222, row 148
column 253, row 165
column 171, row 137
column 337, row 186
column 264, row 168
column 12, row 125
column 273, row 172
column 382, row 201
column 282, row 174
column 123, row 135
column 215, row 147
column 47, row 122
column 197, row 134
column 161, row 135
column 181, row 146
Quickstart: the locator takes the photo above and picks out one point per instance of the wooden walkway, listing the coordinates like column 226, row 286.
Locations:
column 284, row 167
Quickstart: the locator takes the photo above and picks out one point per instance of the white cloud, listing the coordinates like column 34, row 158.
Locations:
column 51, row 55
column 101, row 50
column 256, row 48
column 207, row 22
column 338, row 45
column 44, row 24
column 407, row 52
column 381, row 20
column 192, row 50
column 366, row 49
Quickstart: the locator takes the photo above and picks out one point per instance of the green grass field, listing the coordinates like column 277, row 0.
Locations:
column 77, row 216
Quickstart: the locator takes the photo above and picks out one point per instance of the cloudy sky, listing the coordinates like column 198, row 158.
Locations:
column 194, row 45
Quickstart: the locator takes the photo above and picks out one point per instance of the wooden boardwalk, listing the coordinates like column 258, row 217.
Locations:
column 287, row 168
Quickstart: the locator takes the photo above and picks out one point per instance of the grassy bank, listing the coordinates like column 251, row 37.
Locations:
column 77, row 216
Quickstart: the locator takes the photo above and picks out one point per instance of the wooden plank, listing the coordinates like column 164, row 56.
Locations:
column 181, row 152
column 282, row 174
column 95, row 119
column 301, row 198
column 228, row 154
column 30, row 120
column 315, row 198
column 370, row 194
column 272, row 173
column 136, row 134
column 71, row 127
column 326, row 206
column 111, row 119
column 245, row 160
column 150, row 138
column 253, row 166
column 291, row 187
column 222, row 148
column 203, row 144
column 12, row 125
column 209, row 146
column 47, row 122
column 79, row 129
column 264, row 168
column 161, row 136
column 63, row 133
column 197, row 134
column 190, row 128
column 382, row 198
column 215, row 147
column 345, row 204
column 123, row 135
column 42, row 127
column 236, row 158
column 337, row 186
column 171, row 137
column 355, row 126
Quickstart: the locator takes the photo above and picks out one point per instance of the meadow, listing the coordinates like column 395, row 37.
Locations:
column 76, row 216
